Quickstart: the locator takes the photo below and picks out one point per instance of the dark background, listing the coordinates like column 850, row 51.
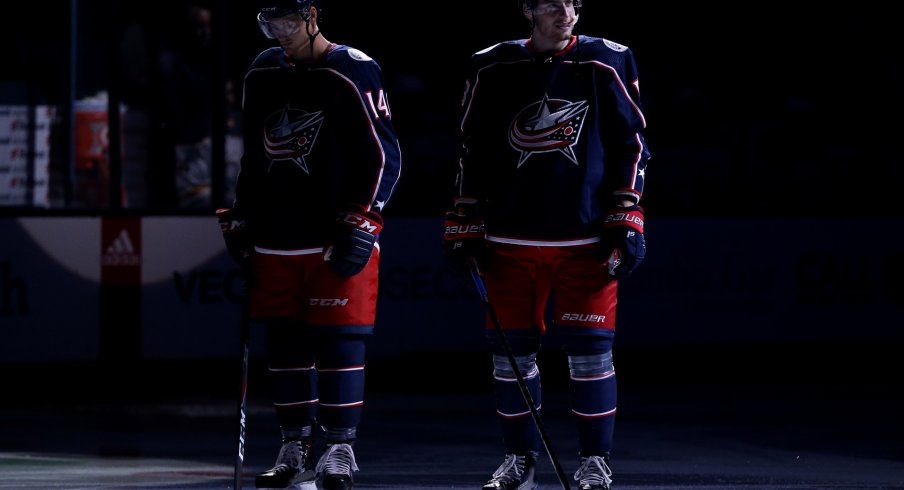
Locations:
column 753, row 110
column 758, row 111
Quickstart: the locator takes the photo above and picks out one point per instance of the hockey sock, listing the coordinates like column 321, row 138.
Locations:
column 291, row 371
column 593, row 400
column 340, row 372
column 518, row 428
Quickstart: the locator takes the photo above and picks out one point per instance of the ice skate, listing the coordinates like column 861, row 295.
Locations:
column 293, row 469
column 515, row 473
column 336, row 466
column 594, row 473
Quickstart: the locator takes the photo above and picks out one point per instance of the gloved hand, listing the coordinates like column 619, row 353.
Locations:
column 353, row 241
column 236, row 236
column 623, row 245
column 464, row 241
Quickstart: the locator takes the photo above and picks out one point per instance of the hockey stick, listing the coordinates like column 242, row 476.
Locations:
column 244, row 334
column 482, row 290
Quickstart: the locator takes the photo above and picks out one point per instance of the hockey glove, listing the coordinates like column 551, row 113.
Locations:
column 463, row 242
column 236, row 236
column 623, row 246
column 353, row 242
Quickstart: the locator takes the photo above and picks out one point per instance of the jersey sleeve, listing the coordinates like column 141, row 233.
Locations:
column 249, row 172
column 372, row 187
column 464, row 191
column 467, row 182
column 627, row 152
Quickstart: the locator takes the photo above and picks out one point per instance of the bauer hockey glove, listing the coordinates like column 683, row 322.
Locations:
column 623, row 246
column 353, row 242
column 464, row 241
column 236, row 236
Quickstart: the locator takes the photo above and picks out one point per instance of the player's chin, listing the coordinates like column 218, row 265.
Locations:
column 290, row 46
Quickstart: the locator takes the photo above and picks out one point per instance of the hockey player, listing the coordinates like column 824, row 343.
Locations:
column 547, row 204
column 321, row 160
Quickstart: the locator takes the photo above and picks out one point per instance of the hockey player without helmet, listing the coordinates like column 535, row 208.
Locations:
column 275, row 9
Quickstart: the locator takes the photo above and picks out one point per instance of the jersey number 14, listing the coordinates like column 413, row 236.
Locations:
column 380, row 108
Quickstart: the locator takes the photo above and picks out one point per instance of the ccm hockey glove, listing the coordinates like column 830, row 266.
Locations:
column 463, row 241
column 353, row 242
column 623, row 246
column 237, row 238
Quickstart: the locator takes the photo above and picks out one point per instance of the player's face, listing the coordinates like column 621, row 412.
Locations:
column 554, row 20
column 290, row 31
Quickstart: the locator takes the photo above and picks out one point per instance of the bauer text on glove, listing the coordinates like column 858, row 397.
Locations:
column 623, row 246
column 463, row 242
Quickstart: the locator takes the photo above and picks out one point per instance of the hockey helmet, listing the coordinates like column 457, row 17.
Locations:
column 273, row 9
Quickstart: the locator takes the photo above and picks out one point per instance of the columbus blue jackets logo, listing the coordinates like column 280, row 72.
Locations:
column 546, row 126
column 289, row 136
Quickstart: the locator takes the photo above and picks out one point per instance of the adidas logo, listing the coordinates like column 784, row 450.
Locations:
column 121, row 252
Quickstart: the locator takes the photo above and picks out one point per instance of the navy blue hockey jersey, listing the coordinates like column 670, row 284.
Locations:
column 550, row 141
column 318, row 139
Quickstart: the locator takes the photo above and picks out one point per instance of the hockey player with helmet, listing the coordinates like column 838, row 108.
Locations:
column 551, row 176
column 321, row 160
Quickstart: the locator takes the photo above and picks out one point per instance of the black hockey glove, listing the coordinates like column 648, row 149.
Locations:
column 353, row 242
column 236, row 236
column 464, row 241
column 623, row 246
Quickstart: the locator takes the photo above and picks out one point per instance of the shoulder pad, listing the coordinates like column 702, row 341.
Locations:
column 508, row 50
column 342, row 53
column 615, row 46
column 357, row 54
column 604, row 50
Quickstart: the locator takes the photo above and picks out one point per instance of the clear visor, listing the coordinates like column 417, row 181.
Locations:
column 558, row 8
column 280, row 27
